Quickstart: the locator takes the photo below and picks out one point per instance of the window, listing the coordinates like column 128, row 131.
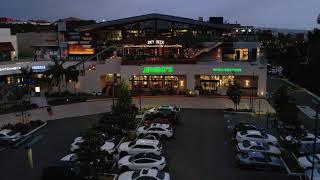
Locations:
column 257, row 148
column 143, row 161
column 146, row 178
column 255, row 136
column 135, row 174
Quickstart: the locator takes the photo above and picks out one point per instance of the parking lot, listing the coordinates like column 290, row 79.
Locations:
column 54, row 142
column 201, row 149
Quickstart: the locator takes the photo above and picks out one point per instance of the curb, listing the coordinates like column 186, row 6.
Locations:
column 26, row 136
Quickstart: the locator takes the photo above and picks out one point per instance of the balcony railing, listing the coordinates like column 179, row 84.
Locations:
column 158, row 61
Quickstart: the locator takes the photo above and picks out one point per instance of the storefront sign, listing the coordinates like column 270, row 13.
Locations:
column 157, row 70
column 227, row 70
column 155, row 42
column 39, row 68
column 14, row 68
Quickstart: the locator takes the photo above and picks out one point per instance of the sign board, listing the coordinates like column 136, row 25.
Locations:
column 14, row 68
column 157, row 70
column 155, row 42
column 227, row 70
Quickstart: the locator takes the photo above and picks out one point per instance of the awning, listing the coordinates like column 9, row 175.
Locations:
column 6, row 47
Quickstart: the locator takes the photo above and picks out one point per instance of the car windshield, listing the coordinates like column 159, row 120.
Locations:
column 243, row 132
column 246, row 144
column 11, row 133
column 135, row 174
column 266, row 146
column 131, row 143
column 160, row 175
column 264, row 135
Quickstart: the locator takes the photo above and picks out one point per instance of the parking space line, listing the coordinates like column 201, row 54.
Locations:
column 2, row 149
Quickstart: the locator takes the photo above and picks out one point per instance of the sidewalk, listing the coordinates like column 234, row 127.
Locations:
column 104, row 105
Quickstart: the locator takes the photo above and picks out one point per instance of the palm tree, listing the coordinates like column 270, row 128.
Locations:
column 57, row 71
column 70, row 73
column 27, row 75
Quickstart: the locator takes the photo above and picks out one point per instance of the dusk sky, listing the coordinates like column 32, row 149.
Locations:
column 293, row 14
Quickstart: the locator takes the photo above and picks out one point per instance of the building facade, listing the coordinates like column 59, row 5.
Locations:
column 158, row 54
column 8, row 45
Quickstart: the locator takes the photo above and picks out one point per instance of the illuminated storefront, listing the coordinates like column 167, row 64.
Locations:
column 160, row 84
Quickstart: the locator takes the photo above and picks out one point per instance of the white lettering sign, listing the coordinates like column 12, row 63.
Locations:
column 157, row 42
column 39, row 67
column 14, row 68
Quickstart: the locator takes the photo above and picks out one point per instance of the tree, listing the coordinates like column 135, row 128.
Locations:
column 70, row 73
column 27, row 75
column 90, row 154
column 124, row 111
column 285, row 107
column 234, row 93
column 57, row 72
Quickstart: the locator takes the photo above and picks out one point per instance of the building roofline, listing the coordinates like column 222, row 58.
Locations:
column 154, row 16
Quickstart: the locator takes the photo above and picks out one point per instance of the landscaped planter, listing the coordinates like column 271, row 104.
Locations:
column 25, row 129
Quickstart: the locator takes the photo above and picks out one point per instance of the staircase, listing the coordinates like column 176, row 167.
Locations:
column 206, row 50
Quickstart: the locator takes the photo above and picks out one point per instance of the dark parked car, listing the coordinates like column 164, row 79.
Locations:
column 305, row 149
column 259, row 160
column 244, row 127
column 62, row 170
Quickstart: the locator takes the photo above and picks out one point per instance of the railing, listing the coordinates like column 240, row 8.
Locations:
column 159, row 61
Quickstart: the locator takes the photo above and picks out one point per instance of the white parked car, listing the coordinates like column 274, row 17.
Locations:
column 9, row 135
column 316, row 174
column 141, row 161
column 148, row 136
column 144, row 174
column 247, row 146
column 70, row 157
column 169, row 107
column 162, row 130
column 307, row 139
column 258, row 136
column 140, row 146
column 306, row 161
column 107, row 146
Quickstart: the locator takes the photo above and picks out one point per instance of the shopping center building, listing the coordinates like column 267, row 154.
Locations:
column 161, row 54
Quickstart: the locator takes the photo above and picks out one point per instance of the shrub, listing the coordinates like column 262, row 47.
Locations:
column 22, row 128
column 7, row 126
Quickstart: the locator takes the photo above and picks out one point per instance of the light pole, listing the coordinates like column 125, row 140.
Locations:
column 317, row 105
column 139, row 65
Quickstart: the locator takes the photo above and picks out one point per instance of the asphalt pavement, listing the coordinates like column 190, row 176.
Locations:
column 50, row 144
column 202, row 149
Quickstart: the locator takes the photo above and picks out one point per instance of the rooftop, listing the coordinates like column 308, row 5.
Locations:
column 155, row 16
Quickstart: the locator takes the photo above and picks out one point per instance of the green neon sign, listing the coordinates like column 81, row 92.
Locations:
column 226, row 70
column 157, row 70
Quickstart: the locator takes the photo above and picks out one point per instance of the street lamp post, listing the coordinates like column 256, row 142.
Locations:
column 317, row 105
column 139, row 65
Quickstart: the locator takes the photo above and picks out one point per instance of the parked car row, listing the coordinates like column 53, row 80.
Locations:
column 255, row 148
column 143, row 157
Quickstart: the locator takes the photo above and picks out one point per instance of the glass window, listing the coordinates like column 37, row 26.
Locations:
column 164, row 25
column 147, row 24
column 181, row 26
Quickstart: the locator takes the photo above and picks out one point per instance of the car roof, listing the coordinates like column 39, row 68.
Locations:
column 253, row 132
column 5, row 131
column 254, row 143
column 256, row 154
column 147, row 142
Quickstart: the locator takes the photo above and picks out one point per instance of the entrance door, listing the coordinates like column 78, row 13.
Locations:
column 209, row 86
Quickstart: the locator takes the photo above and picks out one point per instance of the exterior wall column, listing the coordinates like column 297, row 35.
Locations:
column 262, row 83
column 190, row 81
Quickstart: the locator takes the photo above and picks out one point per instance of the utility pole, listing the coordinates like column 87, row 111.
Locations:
column 317, row 105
